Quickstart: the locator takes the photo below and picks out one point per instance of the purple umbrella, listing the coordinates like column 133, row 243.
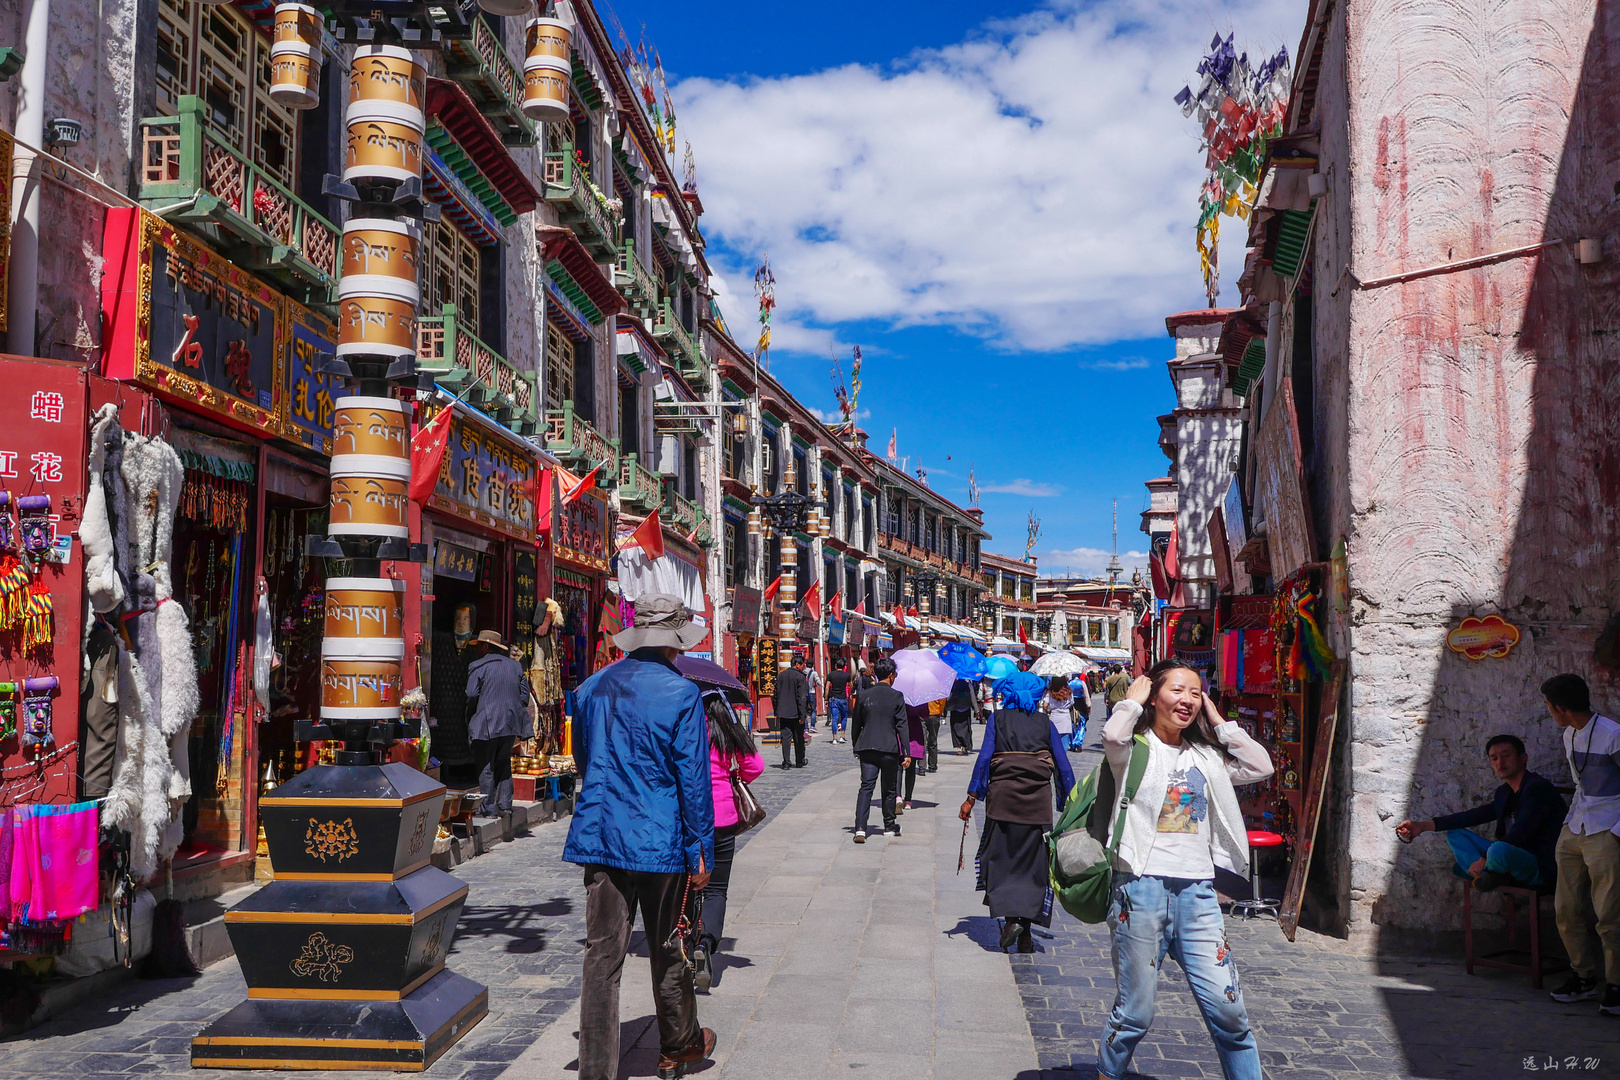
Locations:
column 707, row 673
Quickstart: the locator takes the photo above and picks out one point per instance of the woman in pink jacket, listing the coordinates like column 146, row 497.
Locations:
column 730, row 745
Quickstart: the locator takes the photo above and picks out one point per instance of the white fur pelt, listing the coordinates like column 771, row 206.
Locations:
column 157, row 676
column 101, row 581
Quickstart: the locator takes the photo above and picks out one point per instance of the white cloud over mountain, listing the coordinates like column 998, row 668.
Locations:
column 1023, row 486
column 1034, row 185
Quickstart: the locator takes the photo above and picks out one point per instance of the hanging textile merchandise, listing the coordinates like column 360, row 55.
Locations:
column 128, row 538
column 49, row 874
column 216, row 492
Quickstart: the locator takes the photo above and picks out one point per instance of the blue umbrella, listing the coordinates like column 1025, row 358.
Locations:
column 968, row 661
column 999, row 667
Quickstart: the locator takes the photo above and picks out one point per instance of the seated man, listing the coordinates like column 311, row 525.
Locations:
column 1528, row 812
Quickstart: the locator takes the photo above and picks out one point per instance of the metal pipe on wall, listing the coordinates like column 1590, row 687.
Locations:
column 23, row 293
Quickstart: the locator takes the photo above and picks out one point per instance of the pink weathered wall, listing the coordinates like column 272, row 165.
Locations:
column 1474, row 408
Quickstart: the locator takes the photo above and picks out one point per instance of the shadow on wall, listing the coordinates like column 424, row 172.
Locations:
column 1560, row 582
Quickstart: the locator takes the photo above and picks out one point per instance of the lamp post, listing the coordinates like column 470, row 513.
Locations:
column 924, row 582
column 988, row 610
column 787, row 512
column 1043, row 627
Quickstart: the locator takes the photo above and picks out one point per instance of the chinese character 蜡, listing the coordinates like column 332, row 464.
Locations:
column 46, row 405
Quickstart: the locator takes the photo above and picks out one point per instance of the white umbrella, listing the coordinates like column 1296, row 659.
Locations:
column 1064, row 664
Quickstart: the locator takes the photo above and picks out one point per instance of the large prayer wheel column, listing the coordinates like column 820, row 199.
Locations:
column 344, row 951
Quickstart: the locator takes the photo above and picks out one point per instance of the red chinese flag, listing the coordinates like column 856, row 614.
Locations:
column 812, row 600
column 1023, row 637
column 427, row 454
column 586, row 483
column 770, row 590
column 860, row 608
column 835, row 607
column 900, row 616
column 650, row 535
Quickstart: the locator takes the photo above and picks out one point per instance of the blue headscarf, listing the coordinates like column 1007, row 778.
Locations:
column 1020, row 690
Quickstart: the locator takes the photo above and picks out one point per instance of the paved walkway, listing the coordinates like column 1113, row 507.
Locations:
column 848, row 960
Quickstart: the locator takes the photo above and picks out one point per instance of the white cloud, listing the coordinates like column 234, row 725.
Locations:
column 1123, row 363
column 1024, row 486
column 833, row 416
column 1034, row 184
column 1088, row 561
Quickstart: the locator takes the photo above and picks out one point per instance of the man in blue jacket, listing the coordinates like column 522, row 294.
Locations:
column 1528, row 813
column 643, row 829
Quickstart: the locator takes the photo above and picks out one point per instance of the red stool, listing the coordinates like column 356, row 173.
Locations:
column 1252, row 908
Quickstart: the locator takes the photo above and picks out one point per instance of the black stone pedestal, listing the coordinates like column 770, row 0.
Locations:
column 404, row 1036
column 343, row 952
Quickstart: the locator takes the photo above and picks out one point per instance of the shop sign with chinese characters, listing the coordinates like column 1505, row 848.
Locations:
column 310, row 395
column 581, row 532
column 1480, row 639
column 187, row 322
column 487, row 478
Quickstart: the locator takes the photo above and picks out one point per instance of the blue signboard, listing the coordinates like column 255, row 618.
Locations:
column 310, row 396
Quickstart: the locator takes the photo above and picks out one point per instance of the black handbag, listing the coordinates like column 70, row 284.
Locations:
column 749, row 812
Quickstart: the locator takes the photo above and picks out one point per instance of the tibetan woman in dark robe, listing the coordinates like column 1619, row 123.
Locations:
column 1021, row 774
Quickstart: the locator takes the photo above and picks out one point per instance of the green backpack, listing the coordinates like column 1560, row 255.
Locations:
column 1081, row 855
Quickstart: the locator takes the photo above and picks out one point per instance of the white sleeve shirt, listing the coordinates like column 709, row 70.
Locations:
column 1593, row 754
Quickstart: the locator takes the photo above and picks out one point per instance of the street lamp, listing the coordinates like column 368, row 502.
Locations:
column 987, row 611
column 787, row 512
column 924, row 582
column 1043, row 627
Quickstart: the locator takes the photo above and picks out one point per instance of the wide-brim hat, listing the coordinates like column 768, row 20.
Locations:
column 493, row 637
column 662, row 622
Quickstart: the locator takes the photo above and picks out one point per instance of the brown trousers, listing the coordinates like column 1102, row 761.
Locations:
column 1587, row 905
column 611, row 898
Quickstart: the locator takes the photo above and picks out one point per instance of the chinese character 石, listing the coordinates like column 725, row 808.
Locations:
column 46, row 405
column 47, row 468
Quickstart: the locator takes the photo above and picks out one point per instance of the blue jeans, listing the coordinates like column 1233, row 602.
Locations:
column 1517, row 863
column 1153, row 916
column 838, row 714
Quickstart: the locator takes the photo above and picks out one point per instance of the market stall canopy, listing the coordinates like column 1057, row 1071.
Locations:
column 668, row 574
column 1104, row 656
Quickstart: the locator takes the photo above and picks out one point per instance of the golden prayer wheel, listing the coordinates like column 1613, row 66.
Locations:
column 546, row 37
column 370, row 425
column 369, row 506
column 387, row 73
column 367, row 689
column 545, row 88
column 380, row 247
column 377, row 326
column 381, row 148
column 365, row 609
column 295, row 75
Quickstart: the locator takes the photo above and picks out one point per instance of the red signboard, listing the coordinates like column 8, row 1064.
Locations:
column 487, row 478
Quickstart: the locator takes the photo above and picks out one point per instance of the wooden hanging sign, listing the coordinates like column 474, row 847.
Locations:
column 1315, row 791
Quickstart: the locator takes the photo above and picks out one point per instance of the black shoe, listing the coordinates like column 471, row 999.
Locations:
column 1577, row 989
column 1009, row 933
column 1026, row 941
column 1490, row 879
column 1611, row 1000
column 892, row 830
column 702, row 968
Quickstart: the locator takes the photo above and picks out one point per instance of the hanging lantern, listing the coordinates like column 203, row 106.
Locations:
column 547, row 71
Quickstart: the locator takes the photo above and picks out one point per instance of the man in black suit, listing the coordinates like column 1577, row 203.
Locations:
column 792, row 707
column 880, row 733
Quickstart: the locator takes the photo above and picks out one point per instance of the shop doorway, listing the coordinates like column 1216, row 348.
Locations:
column 468, row 591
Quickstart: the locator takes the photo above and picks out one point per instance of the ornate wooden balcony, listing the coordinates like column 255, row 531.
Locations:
column 236, row 205
column 682, row 347
column 578, row 445
column 687, row 518
column 580, row 205
column 475, row 372
column 635, row 282
column 637, row 486
column 494, row 80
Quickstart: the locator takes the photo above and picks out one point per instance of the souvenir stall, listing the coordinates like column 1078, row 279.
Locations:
column 1266, row 707
column 480, row 514
column 581, row 570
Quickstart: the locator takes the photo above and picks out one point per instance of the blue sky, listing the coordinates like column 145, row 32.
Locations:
column 995, row 201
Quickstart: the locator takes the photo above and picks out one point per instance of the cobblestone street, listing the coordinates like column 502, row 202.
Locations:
column 879, row 962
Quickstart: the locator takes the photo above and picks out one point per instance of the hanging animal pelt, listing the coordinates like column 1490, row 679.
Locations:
column 157, row 674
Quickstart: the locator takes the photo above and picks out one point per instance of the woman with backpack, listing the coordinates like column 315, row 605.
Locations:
column 1181, row 823
column 730, row 747
column 1020, row 761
